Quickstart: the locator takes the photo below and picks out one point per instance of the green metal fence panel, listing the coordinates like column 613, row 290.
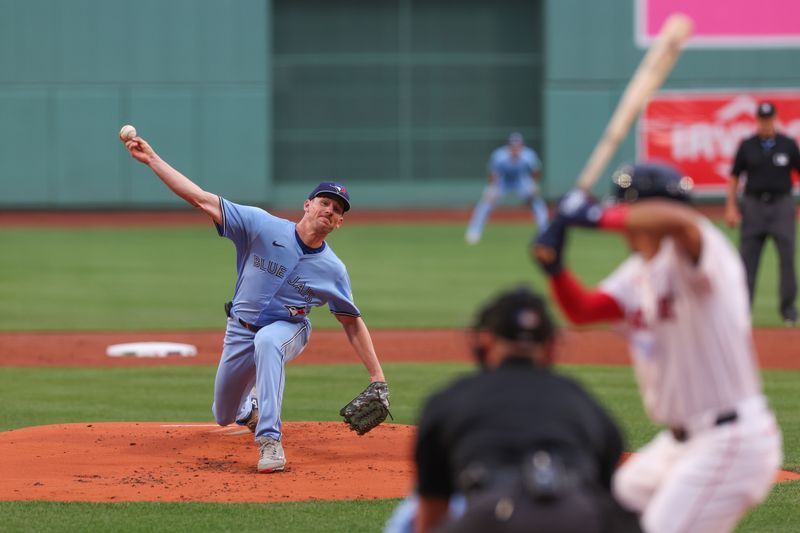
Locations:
column 167, row 117
column 234, row 150
column 85, row 148
column 590, row 55
column 25, row 137
column 402, row 92
column 258, row 100
column 184, row 72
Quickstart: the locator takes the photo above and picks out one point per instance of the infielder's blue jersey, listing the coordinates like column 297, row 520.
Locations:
column 511, row 171
column 280, row 278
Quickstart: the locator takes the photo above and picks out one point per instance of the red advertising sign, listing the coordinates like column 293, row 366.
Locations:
column 699, row 132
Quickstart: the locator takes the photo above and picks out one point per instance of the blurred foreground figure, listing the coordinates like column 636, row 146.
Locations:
column 528, row 449
column 681, row 299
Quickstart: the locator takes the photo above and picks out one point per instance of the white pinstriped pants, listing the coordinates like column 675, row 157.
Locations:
column 707, row 483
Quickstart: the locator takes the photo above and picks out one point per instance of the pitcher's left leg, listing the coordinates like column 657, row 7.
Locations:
column 276, row 344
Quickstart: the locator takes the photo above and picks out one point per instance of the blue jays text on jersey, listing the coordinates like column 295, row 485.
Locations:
column 279, row 277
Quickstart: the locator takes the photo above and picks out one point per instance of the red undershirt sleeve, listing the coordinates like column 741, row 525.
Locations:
column 583, row 306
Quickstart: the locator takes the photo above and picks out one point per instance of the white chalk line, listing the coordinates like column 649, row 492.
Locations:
column 188, row 425
column 238, row 432
column 225, row 430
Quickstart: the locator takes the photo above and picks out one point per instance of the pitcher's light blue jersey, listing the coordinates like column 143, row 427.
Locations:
column 279, row 277
column 511, row 171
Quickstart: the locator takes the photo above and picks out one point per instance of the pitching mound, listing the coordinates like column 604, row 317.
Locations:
column 112, row 462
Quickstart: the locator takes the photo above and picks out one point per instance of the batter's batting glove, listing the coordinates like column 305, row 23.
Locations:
column 578, row 208
column 547, row 248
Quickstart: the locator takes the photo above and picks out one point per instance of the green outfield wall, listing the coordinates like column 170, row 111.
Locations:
column 590, row 55
column 403, row 100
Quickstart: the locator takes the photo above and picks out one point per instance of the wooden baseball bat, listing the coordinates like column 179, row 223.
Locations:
column 650, row 74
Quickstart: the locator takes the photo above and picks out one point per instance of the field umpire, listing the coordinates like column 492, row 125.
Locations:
column 767, row 158
column 529, row 449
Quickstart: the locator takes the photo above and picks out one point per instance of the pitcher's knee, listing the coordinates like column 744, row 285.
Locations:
column 223, row 418
column 268, row 350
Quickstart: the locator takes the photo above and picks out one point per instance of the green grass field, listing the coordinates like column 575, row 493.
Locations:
column 57, row 395
column 177, row 278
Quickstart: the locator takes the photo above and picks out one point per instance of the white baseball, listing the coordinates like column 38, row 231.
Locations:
column 127, row 132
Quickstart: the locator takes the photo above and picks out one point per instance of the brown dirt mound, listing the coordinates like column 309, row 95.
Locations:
column 777, row 347
column 113, row 462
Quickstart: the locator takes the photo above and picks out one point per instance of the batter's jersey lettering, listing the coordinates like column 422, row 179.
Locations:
column 279, row 278
column 511, row 170
column 689, row 329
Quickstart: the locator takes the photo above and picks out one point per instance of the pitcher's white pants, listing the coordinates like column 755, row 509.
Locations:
column 256, row 359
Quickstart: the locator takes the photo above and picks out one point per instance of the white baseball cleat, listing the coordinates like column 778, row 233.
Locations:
column 271, row 458
column 252, row 420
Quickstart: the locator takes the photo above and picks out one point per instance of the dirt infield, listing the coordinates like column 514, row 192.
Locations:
column 188, row 217
column 777, row 347
column 115, row 462
column 110, row 462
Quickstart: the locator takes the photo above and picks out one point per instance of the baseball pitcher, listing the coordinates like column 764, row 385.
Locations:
column 284, row 270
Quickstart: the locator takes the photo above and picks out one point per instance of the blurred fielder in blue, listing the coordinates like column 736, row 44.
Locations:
column 512, row 168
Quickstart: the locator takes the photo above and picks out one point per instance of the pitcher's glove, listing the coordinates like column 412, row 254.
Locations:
column 368, row 409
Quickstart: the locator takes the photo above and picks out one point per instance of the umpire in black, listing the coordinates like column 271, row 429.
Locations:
column 529, row 449
column 767, row 159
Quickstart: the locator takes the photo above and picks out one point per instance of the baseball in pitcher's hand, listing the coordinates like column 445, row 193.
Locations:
column 140, row 150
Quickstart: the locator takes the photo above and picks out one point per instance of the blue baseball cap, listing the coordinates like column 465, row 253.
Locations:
column 333, row 188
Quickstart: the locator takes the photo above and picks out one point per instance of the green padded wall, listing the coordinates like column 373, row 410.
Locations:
column 257, row 100
column 590, row 55
column 403, row 100
column 191, row 75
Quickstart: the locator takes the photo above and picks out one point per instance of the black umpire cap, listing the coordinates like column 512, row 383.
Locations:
column 765, row 110
column 517, row 315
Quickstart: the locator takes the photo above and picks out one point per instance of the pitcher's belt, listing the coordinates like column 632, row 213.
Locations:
column 229, row 313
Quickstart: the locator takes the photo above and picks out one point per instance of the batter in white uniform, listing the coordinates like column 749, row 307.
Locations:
column 681, row 299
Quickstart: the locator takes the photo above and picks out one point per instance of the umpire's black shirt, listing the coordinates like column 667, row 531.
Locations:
column 498, row 417
column 768, row 164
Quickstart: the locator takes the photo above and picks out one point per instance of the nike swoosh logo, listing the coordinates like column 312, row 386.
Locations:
column 279, row 245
